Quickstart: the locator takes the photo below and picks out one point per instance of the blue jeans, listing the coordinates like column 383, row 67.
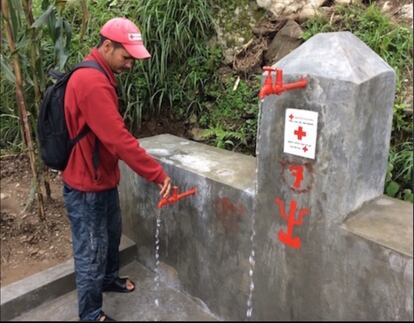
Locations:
column 95, row 219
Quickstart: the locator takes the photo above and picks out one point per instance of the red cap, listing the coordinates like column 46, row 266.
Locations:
column 125, row 32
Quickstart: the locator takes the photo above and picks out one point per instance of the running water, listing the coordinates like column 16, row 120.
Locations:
column 252, row 260
column 252, row 263
column 157, row 256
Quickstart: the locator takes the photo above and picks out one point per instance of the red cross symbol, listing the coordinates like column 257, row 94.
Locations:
column 300, row 133
column 291, row 116
column 305, row 149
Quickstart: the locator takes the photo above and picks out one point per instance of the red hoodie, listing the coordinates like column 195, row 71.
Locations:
column 91, row 99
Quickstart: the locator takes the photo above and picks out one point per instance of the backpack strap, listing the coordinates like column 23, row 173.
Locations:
column 91, row 64
column 80, row 135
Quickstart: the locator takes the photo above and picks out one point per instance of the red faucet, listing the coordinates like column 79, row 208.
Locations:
column 279, row 87
column 175, row 196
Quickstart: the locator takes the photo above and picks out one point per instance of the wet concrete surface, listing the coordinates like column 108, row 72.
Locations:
column 136, row 306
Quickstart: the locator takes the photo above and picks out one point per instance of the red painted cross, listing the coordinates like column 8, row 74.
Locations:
column 300, row 133
column 305, row 149
column 291, row 116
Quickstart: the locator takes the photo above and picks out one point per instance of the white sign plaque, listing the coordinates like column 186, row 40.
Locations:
column 300, row 132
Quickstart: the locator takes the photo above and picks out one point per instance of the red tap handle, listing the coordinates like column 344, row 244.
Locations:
column 268, row 80
column 279, row 77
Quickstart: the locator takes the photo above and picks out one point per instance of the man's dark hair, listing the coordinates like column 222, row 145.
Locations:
column 114, row 43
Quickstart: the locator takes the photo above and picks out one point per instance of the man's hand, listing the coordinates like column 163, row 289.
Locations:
column 165, row 187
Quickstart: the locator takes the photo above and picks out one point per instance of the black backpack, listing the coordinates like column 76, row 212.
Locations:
column 55, row 143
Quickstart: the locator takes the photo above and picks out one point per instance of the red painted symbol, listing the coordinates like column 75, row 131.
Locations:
column 299, row 177
column 305, row 149
column 297, row 172
column 291, row 117
column 300, row 133
column 287, row 237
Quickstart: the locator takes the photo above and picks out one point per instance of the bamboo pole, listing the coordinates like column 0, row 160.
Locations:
column 85, row 18
column 27, row 5
column 34, row 62
column 25, row 126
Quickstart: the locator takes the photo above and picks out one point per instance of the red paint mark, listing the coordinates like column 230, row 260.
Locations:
column 305, row 149
column 291, row 116
column 297, row 172
column 302, row 174
column 287, row 237
column 229, row 214
column 300, row 133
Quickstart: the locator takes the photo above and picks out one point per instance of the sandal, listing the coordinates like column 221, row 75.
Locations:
column 119, row 285
column 103, row 317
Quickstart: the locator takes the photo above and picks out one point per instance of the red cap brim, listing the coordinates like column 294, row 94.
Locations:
column 137, row 51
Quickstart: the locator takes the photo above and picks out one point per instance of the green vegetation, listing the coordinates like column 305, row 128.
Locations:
column 184, row 79
column 232, row 121
column 394, row 43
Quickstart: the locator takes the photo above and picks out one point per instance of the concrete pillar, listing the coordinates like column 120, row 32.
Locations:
column 308, row 273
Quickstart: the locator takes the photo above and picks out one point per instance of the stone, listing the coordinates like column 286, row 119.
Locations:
column 290, row 8
column 198, row 134
column 228, row 55
column 286, row 40
column 406, row 12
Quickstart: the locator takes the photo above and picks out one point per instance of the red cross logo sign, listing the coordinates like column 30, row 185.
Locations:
column 300, row 133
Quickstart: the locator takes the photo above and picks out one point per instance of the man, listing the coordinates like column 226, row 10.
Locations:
column 92, row 174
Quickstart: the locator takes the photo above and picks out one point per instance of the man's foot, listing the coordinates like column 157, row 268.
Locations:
column 102, row 318
column 120, row 285
column 105, row 318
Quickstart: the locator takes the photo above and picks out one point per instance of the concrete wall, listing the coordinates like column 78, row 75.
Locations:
column 204, row 238
column 336, row 273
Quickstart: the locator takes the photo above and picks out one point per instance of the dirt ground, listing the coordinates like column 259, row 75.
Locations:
column 29, row 245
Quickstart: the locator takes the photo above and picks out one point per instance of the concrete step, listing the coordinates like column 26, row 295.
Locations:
column 30, row 292
column 136, row 306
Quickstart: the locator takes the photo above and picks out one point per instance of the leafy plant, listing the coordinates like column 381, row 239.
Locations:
column 399, row 177
column 224, row 139
column 232, row 117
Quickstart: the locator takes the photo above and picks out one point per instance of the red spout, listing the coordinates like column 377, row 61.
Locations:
column 279, row 87
column 175, row 196
column 296, row 85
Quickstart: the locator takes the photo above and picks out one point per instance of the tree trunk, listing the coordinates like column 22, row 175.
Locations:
column 85, row 18
column 37, row 80
column 25, row 126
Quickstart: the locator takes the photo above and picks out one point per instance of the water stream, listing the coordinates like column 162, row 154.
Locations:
column 252, row 261
column 157, row 256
